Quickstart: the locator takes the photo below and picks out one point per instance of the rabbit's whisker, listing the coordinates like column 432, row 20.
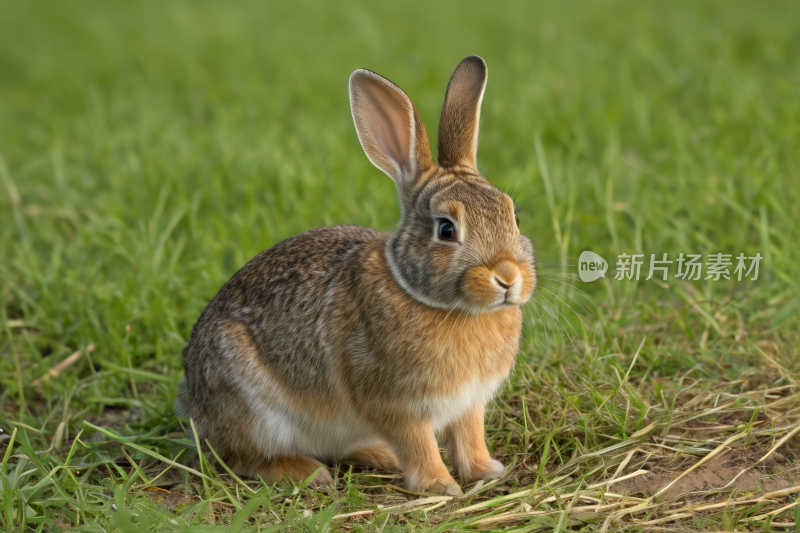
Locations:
column 566, row 333
column 451, row 310
column 532, row 304
column 556, row 259
column 551, row 289
column 559, row 327
column 569, row 285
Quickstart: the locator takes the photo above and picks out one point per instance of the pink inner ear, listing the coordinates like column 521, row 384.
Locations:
column 387, row 117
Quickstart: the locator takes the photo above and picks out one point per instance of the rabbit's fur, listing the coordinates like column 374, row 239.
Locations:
column 344, row 343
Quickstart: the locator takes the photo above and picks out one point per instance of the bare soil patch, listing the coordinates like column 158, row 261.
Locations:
column 736, row 470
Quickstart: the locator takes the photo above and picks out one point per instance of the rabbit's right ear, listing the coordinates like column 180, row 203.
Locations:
column 389, row 128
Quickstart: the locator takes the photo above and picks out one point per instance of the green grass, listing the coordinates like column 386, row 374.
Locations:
column 148, row 150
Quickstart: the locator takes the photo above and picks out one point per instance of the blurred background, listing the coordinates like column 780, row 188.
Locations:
column 149, row 149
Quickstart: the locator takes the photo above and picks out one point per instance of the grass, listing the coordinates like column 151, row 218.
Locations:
column 148, row 150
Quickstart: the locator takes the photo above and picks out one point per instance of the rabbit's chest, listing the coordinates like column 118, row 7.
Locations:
column 444, row 408
column 455, row 376
column 468, row 358
column 432, row 368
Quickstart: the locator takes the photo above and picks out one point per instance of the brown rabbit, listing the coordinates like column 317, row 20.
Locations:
column 344, row 343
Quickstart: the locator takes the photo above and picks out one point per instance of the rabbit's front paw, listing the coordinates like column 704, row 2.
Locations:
column 446, row 487
column 493, row 469
column 487, row 470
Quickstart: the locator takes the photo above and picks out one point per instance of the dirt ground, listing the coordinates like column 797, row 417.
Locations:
column 735, row 470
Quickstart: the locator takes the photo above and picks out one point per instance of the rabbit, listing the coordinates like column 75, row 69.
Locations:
column 347, row 344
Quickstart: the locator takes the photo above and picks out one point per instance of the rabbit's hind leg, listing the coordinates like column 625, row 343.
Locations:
column 297, row 468
column 378, row 456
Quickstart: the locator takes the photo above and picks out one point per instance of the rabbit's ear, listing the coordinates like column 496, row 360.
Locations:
column 389, row 127
column 461, row 113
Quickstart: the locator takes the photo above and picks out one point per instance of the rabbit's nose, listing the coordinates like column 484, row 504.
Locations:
column 506, row 274
column 502, row 283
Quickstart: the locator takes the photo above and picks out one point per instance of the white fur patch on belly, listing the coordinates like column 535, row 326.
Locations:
column 442, row 410
column 278, row 429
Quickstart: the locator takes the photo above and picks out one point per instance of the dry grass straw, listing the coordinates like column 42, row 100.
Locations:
column 578, row 490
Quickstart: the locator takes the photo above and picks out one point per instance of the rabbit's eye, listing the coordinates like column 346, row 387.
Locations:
column 447, row 231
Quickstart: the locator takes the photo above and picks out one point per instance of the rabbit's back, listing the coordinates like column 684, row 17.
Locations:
column 285, row 296
column 274, row 316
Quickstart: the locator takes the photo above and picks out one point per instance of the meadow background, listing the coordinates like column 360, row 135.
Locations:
column 148, row 150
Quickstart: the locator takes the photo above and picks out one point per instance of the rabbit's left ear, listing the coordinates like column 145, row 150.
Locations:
column 389, row 128
column 461, row 113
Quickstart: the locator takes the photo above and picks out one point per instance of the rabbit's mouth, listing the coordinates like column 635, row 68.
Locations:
column 501, row 285
column 504, row 301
